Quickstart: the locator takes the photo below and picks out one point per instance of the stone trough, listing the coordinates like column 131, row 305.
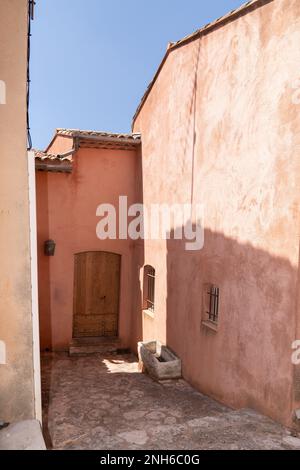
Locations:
column 159, row 361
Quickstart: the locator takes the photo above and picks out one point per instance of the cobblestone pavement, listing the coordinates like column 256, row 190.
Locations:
column 103, row 402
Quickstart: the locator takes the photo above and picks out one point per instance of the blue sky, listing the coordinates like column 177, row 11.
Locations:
column 91, row 60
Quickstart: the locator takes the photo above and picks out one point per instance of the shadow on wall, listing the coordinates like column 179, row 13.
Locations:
column 138, row 261
column 44, row 263
column 247, row 362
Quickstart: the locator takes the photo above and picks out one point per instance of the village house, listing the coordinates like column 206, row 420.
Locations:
column 20, row 388
column 79, row 171
column 218, row 125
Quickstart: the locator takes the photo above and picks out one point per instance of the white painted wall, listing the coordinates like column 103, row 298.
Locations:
column 34, row 289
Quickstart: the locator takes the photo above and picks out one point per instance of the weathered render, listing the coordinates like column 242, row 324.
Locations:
column 16, row 373
column 220, row 126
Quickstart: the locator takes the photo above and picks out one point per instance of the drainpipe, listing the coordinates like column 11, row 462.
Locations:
column 31, row 5
column 67, row 154
column 60, row 168
column 72, row 151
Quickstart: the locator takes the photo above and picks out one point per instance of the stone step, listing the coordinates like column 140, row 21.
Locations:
column 26, row 435
column 89, row 346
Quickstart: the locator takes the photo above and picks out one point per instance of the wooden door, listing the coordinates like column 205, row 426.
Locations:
column 96, row 294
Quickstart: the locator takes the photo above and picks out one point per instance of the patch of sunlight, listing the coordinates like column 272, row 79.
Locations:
column 118, row 366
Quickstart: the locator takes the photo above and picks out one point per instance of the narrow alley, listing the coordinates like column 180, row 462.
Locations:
column 103, row 402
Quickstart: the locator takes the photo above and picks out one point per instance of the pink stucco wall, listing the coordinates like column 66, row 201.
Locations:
column 67, row 206
column 220, row 127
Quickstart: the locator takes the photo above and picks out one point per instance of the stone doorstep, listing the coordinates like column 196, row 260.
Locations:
column 25, row 435
column 90, row 346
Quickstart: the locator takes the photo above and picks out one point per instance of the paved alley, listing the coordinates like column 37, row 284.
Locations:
column 104, row 403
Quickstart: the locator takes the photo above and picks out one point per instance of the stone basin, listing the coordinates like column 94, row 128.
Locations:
column 159, row 361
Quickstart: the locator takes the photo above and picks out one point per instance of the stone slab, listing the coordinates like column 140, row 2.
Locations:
column 25, row 435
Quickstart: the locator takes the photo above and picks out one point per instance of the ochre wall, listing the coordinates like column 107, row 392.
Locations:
column 66, row 205
column 16, row 377
column 221, row 127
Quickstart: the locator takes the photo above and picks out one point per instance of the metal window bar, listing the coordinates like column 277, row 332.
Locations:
column 214, row 295
column 151, row 289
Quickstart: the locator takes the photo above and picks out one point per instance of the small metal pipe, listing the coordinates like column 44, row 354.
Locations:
column 67, row 154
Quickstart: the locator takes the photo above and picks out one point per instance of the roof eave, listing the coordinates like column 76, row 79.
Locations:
column 104, row 139
column 53, row 167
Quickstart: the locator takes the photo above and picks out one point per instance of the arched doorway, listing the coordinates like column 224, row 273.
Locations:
column 96, row 294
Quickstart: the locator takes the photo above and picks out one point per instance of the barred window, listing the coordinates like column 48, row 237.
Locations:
column 211, row 303
column 213, row 312
column 149, row 288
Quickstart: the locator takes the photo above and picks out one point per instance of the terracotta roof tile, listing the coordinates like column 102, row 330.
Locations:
column 42, row 156
column 82, row 134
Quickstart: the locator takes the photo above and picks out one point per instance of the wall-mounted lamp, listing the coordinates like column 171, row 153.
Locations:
column 49, row 248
